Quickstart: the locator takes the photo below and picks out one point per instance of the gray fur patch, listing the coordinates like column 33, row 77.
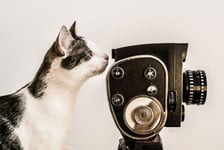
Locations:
column 38, row 85
column 11, row 113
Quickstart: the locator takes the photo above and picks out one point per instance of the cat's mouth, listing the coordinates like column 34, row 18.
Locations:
column 101, row 69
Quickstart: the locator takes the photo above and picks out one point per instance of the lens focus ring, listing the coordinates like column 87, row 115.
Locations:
column 194, row 87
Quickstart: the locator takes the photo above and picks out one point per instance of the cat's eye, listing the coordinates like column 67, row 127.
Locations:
column 72, row 61
column 83, row 59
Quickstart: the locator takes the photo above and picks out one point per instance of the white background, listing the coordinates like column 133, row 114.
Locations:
column 28, row 28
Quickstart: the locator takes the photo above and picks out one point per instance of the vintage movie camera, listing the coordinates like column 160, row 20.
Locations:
column 147, row 89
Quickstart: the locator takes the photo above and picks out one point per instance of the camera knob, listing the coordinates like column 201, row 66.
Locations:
column 152, row 90
column 117, row 73
column 117, row 100
column 150, row 73
column 194, row 87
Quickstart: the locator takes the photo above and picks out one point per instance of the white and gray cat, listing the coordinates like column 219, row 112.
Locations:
column 39, row 116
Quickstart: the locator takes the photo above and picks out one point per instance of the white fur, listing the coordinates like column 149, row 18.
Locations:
column 47, row 121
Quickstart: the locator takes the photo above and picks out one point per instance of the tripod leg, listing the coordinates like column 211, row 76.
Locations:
column 122, row 145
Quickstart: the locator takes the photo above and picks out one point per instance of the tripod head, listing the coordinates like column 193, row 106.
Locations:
column 152, row 144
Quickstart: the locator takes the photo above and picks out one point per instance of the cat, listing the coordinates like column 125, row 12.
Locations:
column 39, row 115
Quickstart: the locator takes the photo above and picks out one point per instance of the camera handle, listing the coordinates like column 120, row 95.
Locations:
column 153, row 144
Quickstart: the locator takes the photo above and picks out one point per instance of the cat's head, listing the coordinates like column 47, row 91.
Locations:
column 76, row 56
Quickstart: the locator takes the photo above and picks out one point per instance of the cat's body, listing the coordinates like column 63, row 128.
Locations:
column 39, row 116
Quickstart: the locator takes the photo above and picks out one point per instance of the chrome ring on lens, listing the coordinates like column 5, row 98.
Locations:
column 144, row 115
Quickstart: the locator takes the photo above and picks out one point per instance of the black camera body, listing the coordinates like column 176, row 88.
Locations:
column 147, row 88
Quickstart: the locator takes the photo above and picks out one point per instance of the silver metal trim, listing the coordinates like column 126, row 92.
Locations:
column 166, row 93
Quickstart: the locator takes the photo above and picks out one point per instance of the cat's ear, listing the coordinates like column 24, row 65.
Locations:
column 63, row 41
column 73, row 30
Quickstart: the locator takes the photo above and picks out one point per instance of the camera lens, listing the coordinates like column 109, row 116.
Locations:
column 143, row 115
column 194, row 87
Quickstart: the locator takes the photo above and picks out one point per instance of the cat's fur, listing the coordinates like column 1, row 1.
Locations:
column 39, row 115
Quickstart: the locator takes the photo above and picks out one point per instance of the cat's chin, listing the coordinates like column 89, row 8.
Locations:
column 103, row 69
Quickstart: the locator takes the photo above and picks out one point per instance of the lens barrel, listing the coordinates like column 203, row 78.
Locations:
column 194, row 87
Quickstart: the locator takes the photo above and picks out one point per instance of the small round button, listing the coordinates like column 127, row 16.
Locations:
column 152, row 90
column 117, row 73
column 150, row 73
column 117, row 100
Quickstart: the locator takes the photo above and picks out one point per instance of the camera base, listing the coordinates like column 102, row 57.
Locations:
column 153, row 144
